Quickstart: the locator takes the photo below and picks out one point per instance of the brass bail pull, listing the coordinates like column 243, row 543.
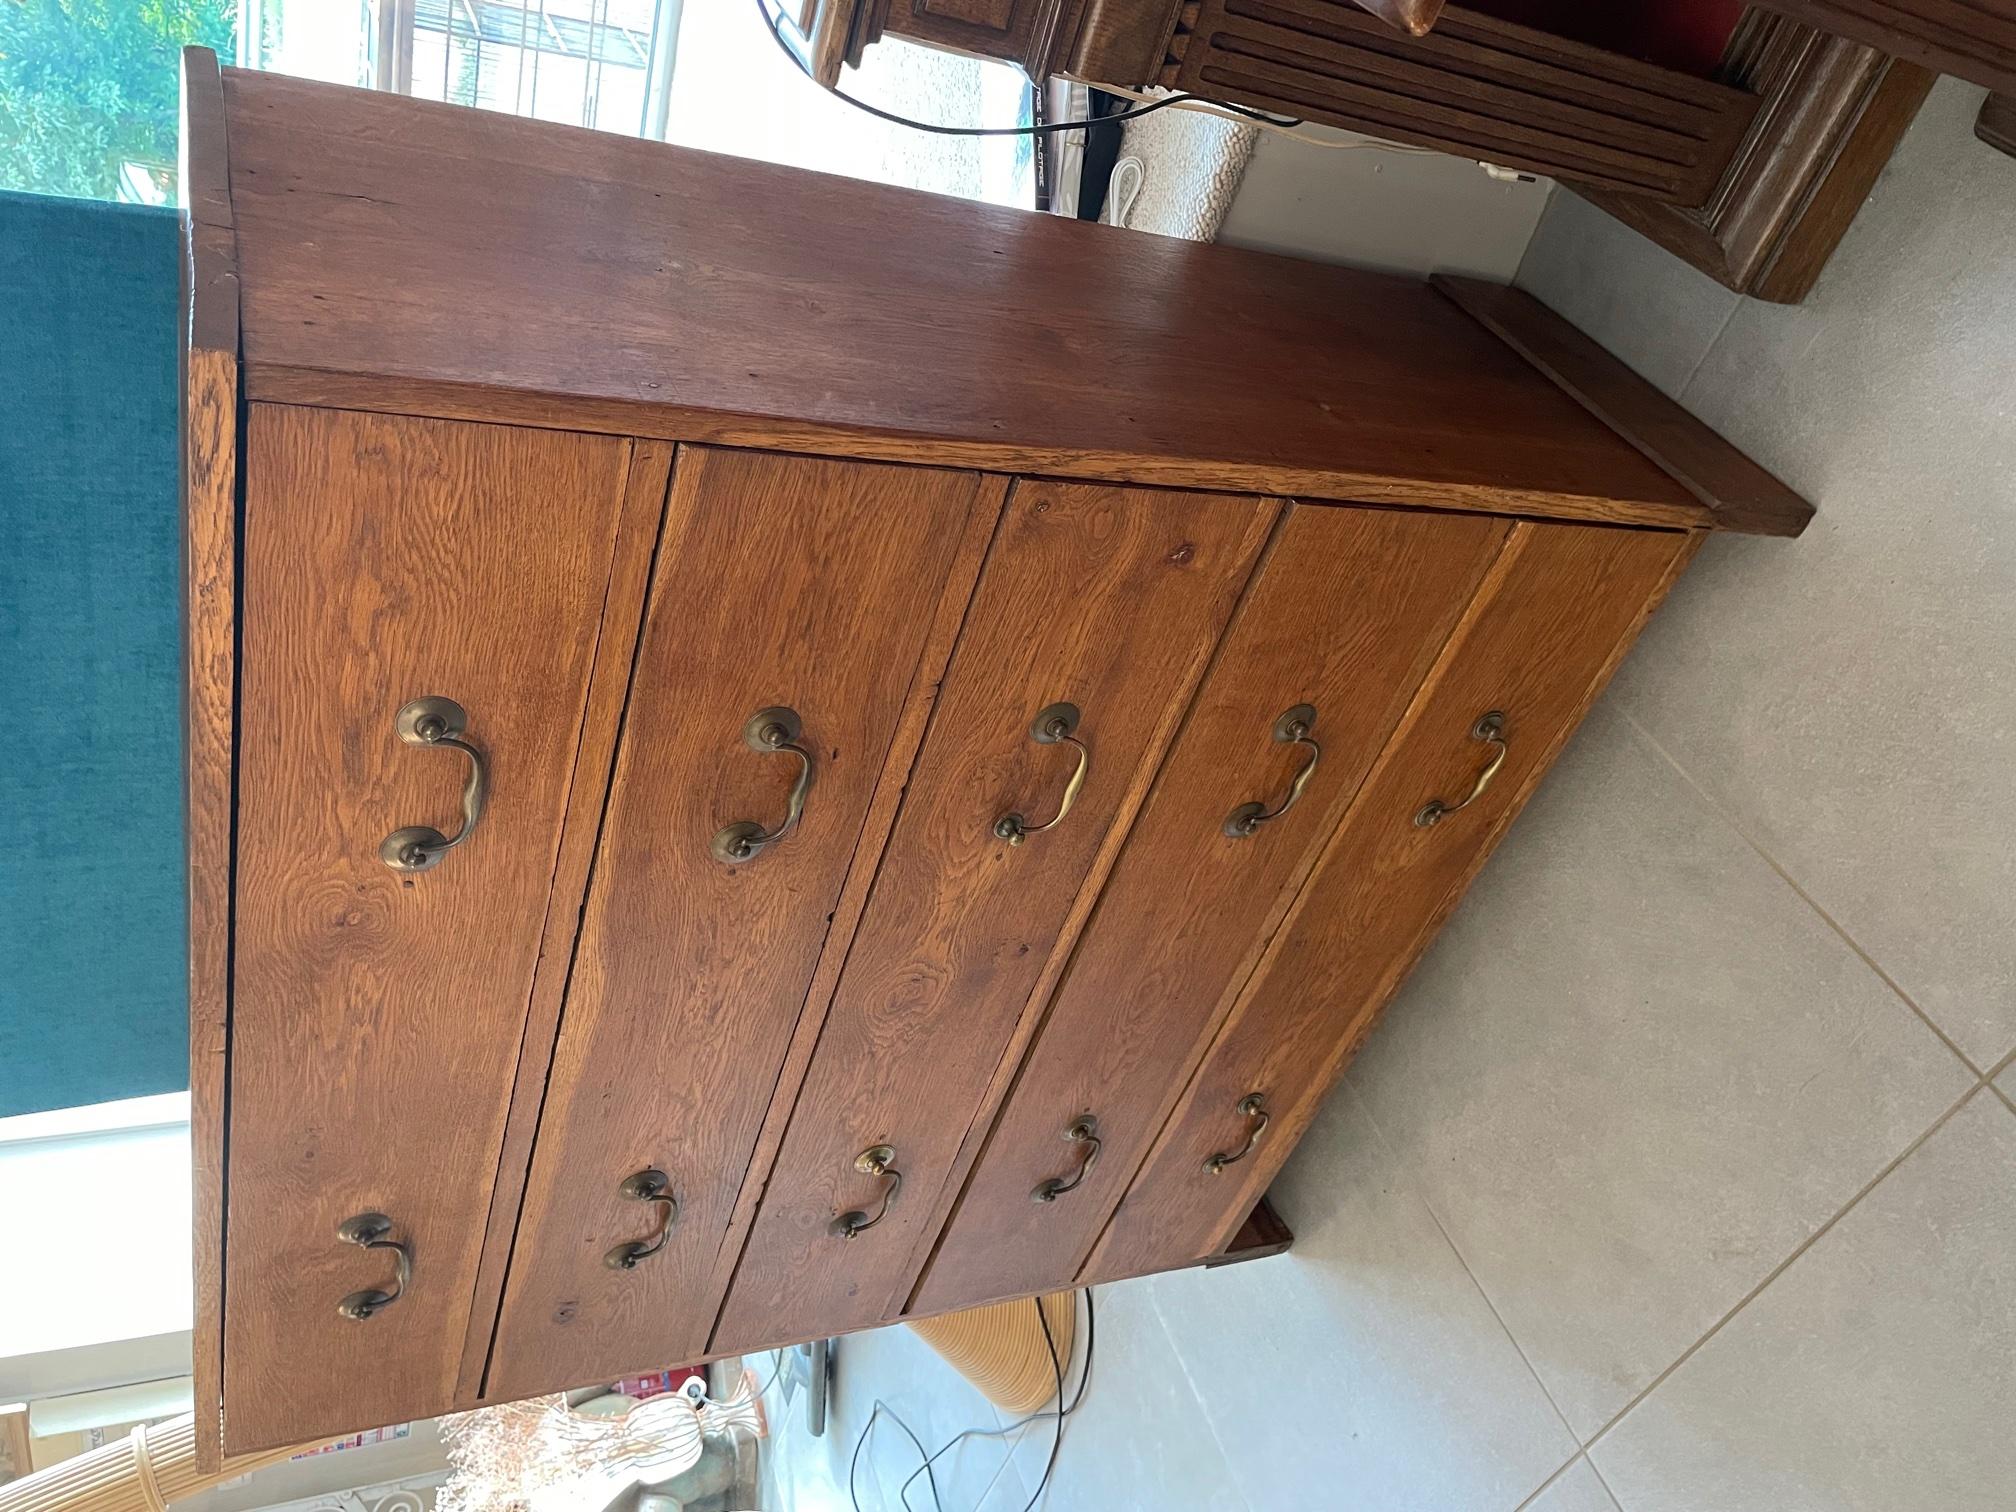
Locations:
column 1292, row 728
column 372, row 1231
column 1253, row 1108
column 438, row 723
column 1490, row 729
column 876, row 1160
column 1056, row 725
column 1083, row 1132
column 769, row 732
column 655, row 1187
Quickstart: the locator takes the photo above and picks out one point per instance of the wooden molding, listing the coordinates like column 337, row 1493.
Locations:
column 1262, row 1234
column 1996, row 124
column 1121, row 41
column 210, row 481
column 1742, row 495
column 1970, row 39
column 1023, row 32
column 1476, row 86
column 1830, row 113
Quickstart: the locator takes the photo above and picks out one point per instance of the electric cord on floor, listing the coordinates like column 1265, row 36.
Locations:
column 773, row 23
column 1077, row 1396
column 1061, row 1412
column 883, row 1409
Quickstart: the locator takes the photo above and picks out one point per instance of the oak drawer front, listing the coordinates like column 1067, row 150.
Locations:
column 1555, row 613
column 782, row 583
column 1108, row 599
column 377, row 1012
column 1343, row 620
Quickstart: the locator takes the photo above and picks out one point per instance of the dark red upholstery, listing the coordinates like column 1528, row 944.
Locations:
column 1687, row 35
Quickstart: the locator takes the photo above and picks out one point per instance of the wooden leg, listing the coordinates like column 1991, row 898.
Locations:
column 1997, row 123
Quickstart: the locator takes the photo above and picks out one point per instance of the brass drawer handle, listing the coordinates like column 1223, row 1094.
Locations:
column 369, row 1231
column 768, row 732
column 876, row 1160
column 1253, row 1107
column 1490, row 728
column 1054, row 725
column 1292, row 728
column 1083, row 1131
column 439, row 723
column 653, row 1186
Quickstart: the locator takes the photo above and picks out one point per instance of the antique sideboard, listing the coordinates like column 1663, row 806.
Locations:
column 770, row 754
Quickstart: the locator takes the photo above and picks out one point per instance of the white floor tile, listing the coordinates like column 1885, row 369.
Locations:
column 1850, row 697
column 1581, row 1489
column 1366, row 1361
column 1636, row 1071
column 936, row 1403
column 1141, row 1441
column 1633, row 296
column 1878, row 1373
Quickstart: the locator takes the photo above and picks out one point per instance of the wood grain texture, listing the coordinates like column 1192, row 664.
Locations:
column 1315, row 486
column 376, row 1017
column 1970, row 39
column 1476, row 85
column 946, row 626
column 1113, row 600
column 1120, row 41
column 209, row 673
column 1263, row 1233
column 209, row 488
column 609, row 683
column 209, row 234
column 781, row 581
column 1347, row 613
column 1556, row 613
column 1022, row 32
column 1002, row 339
column 1742, row 495
column 1830, row 113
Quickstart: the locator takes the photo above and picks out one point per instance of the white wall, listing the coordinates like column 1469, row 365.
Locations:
column 1381, row 207
column 96, row 1251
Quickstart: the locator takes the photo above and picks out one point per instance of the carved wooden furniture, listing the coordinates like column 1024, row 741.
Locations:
column 742, row 787
column 1475, row 85
column 1830, row 113
column 1970, row 39
column 1751, row 169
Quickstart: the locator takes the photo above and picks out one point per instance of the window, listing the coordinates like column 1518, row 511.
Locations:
column 88, row 88
column 600, row 63
column 701, row 73
column 113, row 1179
column 89, row 92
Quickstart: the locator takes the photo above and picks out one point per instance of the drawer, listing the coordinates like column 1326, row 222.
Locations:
column 1345, row 616
column 782, row 583
column 1556, row 612
column 1106, row 599
column 377, row 1012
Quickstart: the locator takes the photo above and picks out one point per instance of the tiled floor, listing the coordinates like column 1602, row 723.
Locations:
column 1682, row 1178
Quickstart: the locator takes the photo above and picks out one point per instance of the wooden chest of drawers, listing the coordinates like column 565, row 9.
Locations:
column 768, row 755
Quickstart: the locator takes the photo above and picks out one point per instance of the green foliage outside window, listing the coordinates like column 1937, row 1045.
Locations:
column 89, row 86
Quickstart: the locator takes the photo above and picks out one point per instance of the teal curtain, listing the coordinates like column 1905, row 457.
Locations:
column 93, row 990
